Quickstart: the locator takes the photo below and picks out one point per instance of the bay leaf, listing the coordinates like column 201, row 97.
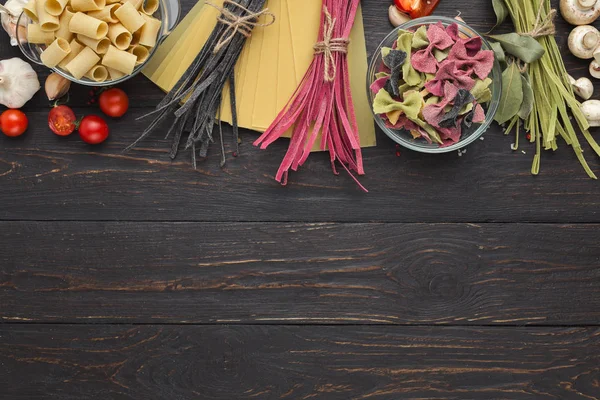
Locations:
column 501, row 11
column 526, row 48
column 527, row 105
column 499, row 53
column 512, row 94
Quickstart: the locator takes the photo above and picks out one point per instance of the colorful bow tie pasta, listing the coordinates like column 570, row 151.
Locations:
column 433, row 83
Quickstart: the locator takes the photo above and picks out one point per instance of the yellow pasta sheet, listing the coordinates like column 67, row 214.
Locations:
column 272, row 64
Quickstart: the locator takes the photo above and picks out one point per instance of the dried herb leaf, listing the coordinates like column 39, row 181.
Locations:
column 525, row 48
column 501, row 11
column 499, row 53
column 527, row 106
column 512, row 94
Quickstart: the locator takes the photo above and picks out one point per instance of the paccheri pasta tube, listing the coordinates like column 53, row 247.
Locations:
column 88, row 26
column 55, row 53
column 130, row 17
column 36, row 35
column 55, row 7
column 107, row 14
column 48, row 23
column 149, row 31
column 114, row 74
column 149, row 7
column 140, row 52
column 137, row 4
column 98, row 73
column 30, row 11
column 100, row 46
column 119, row 36
column 119, row 60
column 76, row 48
column 88, row 5
column 82, row 63
column 64, row 31
column 95, row 39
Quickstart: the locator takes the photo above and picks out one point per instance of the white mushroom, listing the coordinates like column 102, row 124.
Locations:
column 583, row 87
column 583, row 41
column 580, row 12
column 595, row 69
column 591, row 111
column 397, row 17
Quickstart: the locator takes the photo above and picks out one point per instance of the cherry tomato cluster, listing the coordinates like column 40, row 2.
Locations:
column 62, row 120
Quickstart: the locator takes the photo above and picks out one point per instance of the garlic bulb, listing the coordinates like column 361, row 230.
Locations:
column 18, row 82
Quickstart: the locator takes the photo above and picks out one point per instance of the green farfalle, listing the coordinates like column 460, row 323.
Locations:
column 385, row 51
column 410, row 75
column 481, row 91
column 411, row 106
column 420, row 38
column 441, row 55
column 382, row 74
column 432, row 100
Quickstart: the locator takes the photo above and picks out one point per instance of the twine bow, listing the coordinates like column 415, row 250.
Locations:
column 238, row 23
column 330, row 45
column 544, row 26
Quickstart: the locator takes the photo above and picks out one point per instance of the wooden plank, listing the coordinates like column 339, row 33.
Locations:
column 299, row 273
column 291, row 362
column 56, row 178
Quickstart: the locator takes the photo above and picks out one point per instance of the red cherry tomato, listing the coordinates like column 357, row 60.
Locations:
column 416, row 8
column 114, row 102
column 13, row 123
column 61, row 120
column 93, row 129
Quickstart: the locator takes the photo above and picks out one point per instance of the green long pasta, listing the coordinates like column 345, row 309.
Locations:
column 554, row 100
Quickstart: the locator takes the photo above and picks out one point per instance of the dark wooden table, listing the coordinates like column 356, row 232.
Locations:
column 134, row 277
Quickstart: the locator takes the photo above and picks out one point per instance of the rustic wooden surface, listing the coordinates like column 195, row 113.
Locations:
column 135, row 277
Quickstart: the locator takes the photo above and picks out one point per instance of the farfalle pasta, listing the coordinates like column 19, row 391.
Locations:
column 97, row 39
column 432, row 83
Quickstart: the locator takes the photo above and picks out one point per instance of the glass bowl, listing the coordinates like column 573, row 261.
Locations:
column 168, row 12
column 403, row 137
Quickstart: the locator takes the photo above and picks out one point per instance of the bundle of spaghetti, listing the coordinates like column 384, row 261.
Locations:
column 322, row 104
column 201, row 86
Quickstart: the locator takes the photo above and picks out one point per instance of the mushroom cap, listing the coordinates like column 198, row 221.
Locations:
column 584, row 88
column 580, row 12
column 591, row 110
column 583, row 41
column 595, row 69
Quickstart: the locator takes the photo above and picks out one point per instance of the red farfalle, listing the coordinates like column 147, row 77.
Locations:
column 450, row 72
column 434, row 113
column 468, row 56
column 424, row 60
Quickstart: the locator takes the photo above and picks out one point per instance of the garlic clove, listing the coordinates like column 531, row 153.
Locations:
column 584, row 88
column 397, row 17
column 56, row 86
